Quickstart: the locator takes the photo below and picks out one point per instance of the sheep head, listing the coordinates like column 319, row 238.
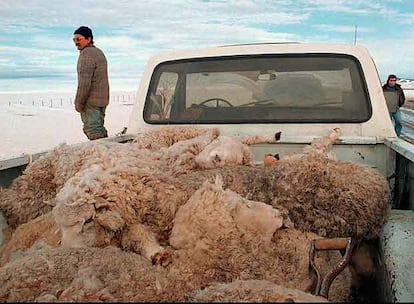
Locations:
column 224, row 151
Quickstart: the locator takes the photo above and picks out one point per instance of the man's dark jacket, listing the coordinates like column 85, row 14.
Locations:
column 400, row 92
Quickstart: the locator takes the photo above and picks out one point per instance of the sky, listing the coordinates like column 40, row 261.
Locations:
column 37, row 52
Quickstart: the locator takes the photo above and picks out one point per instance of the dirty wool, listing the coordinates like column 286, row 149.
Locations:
column 218, row 237
column 189, row 209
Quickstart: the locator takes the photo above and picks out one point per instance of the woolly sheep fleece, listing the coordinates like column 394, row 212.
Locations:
column 152, row 199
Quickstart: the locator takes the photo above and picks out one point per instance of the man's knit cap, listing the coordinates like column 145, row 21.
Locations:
column 84, row 31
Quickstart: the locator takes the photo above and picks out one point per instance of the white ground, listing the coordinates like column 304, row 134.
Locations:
column 27, row 126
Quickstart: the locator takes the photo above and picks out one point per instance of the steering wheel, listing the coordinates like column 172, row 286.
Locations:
column 218, row 100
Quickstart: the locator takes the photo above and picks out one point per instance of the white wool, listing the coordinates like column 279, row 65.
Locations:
column 224, row 151
column 87, row 278
column 194, row 145
column 255, row 218
column 70, row 235
column 86, row 179
column 74, row 206
column 196, row 224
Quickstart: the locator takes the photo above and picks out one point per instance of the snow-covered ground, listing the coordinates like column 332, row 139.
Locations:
column 36, row 122
column 408, row 87
column 406, row 83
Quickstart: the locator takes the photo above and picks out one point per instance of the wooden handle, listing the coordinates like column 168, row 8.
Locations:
column 331, row 244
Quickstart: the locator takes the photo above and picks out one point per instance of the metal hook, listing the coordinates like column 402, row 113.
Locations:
column 323, row 284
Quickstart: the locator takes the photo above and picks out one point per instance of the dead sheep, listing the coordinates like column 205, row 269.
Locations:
column 322, row 195
column 119, row 201
column 165, row 137
column 252, row 291
column 327, row 197
column 118, row 195
column 133, row 193
column 133, row 204
column 221, row 236
column 94, row 275
column 222, row 152
column 108, row 222
column 83, row 275
column 43, row 228
column 32, row 194
column 86, row 160
column 230, row 238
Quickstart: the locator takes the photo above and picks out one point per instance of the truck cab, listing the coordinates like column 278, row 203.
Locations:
column 302, row 90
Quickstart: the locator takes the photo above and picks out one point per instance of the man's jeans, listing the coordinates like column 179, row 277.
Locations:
column 396, row 116
column 93, row 122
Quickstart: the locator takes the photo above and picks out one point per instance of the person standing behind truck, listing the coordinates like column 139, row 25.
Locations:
column 92, row 96
column 395, row 97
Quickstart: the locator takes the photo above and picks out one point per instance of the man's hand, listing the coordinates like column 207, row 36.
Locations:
column 78, row 107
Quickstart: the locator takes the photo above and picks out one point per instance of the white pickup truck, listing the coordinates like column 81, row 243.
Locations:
column 302, row 90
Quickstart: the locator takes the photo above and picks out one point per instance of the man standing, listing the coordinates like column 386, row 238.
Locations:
column 92, row 96
column 393, row 91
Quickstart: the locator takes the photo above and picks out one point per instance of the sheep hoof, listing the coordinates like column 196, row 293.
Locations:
column 163, row 258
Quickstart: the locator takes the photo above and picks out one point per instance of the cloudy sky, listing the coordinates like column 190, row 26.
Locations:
column 37, row 52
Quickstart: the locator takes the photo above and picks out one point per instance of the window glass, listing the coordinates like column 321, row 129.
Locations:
column 160, row 102
column 259, row 89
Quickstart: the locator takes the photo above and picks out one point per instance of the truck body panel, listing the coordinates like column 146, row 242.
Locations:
column 397, row 256
column 376, row 126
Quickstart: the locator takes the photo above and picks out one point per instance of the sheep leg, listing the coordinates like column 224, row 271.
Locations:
column 323, row 145
column 252, row 140
column 194, row 145
column 140, row 239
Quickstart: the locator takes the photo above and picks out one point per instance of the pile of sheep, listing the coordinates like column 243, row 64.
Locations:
column 183, row 214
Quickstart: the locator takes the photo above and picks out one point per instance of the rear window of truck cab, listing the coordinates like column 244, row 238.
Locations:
column 294, row 88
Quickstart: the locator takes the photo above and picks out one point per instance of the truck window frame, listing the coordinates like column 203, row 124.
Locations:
column 357, row 78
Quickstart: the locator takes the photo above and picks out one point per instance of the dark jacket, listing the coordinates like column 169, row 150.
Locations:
column 93, row 84
column 400, row 92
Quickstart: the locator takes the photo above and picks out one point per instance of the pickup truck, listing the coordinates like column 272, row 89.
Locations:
column 301, row 90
